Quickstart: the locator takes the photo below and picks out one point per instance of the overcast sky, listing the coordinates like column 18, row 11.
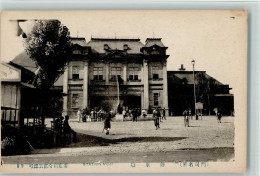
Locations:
column 214, row 39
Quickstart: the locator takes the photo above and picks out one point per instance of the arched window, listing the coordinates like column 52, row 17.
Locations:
column 105, row 46
column 125, row 47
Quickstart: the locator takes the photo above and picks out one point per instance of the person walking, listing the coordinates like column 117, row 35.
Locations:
column 134, row 114
column 190, row 114
column 186, row 118
column 156, row 115
column 219, row 115
column 85, row 115
column 79, row 116
column 107, row 124
column 92, row 115
column 164, row 113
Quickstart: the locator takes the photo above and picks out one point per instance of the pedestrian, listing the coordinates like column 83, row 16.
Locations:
column 100, row 114
column 79, row 116
column 67, row 129
column 134, row 114
column 190, row 114
column 107, row 124
column 92, row 114
column 186, row 118
column 156, row 115
column 219, row 115
column 144, row 113
column 95, row 115
column 84, row 115
column 160, row 118
column 124, row 113
column 164, row 113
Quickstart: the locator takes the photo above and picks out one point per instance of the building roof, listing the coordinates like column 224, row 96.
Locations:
column 9, row 73
column 154, row 41
column 188, row 76
column 79, row 41
column 23, row 60
column 97, row 44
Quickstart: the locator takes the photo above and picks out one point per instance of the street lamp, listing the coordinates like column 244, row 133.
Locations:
column 193, row 64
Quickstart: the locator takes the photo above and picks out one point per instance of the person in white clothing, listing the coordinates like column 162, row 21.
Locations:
column 79, row 115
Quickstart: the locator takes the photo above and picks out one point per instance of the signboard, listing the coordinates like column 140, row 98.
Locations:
column 199, row 105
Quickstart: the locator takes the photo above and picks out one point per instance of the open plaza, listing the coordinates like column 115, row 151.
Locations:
column 205, row 140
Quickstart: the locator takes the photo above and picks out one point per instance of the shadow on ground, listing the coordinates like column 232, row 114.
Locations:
column 91, row 141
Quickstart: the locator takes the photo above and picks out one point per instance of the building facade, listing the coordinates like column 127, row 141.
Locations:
column 10, row 94
column 112, row 73
column 209, row 91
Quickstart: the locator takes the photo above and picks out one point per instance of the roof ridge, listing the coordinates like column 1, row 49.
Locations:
column 115, row 39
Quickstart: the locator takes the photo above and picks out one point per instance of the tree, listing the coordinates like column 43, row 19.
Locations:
column 49, row 46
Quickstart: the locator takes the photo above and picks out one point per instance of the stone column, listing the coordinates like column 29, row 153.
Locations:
column 165, row 87
column 107, row 73
column 85, row 85
column 146, row 85
column 142, row 99
column 65, row 91
column 124, row 73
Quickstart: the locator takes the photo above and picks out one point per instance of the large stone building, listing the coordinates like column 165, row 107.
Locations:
column 115, row 72
column 110, row 72
column 209, row 91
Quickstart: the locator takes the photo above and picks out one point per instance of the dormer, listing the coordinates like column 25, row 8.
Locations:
column 125, row 47
column 154, row 46
column 106, row 47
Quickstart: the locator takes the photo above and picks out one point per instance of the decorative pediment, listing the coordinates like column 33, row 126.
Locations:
column 9, row 73
column 116, row 53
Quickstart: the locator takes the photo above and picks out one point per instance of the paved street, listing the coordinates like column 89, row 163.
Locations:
column 204, row 140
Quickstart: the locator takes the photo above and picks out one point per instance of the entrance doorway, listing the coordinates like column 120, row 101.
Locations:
column 132, row 102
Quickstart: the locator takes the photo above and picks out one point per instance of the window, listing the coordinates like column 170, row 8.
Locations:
column 75, row 72
column 115, row 72
column 106, row 47
column 155, row 72
column 125, row 47
column 98, row 73
column 133, row 73
column 75, row 100
column 156, row 99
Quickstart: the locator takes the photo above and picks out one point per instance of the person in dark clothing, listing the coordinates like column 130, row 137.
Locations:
column 190, row 115
column 156, row 115
column 164, row 113
column 186, row 118
column 219, row 115
column 67, row 129
column 107, row 124
column 135, row 114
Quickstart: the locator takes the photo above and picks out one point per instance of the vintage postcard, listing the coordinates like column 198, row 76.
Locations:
column 124, row 91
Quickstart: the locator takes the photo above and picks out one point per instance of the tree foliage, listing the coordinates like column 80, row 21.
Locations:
column 49, row 45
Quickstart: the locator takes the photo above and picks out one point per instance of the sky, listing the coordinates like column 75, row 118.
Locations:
column 214, row 39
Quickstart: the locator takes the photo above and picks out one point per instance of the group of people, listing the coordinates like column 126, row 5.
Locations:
column 135, row 112
column 84, row 115
column 188, row 115
column 64, row 127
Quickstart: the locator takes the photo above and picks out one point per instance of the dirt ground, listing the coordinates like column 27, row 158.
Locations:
column 204, row 140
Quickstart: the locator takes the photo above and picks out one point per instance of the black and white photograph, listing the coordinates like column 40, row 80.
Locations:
column 123, row 91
